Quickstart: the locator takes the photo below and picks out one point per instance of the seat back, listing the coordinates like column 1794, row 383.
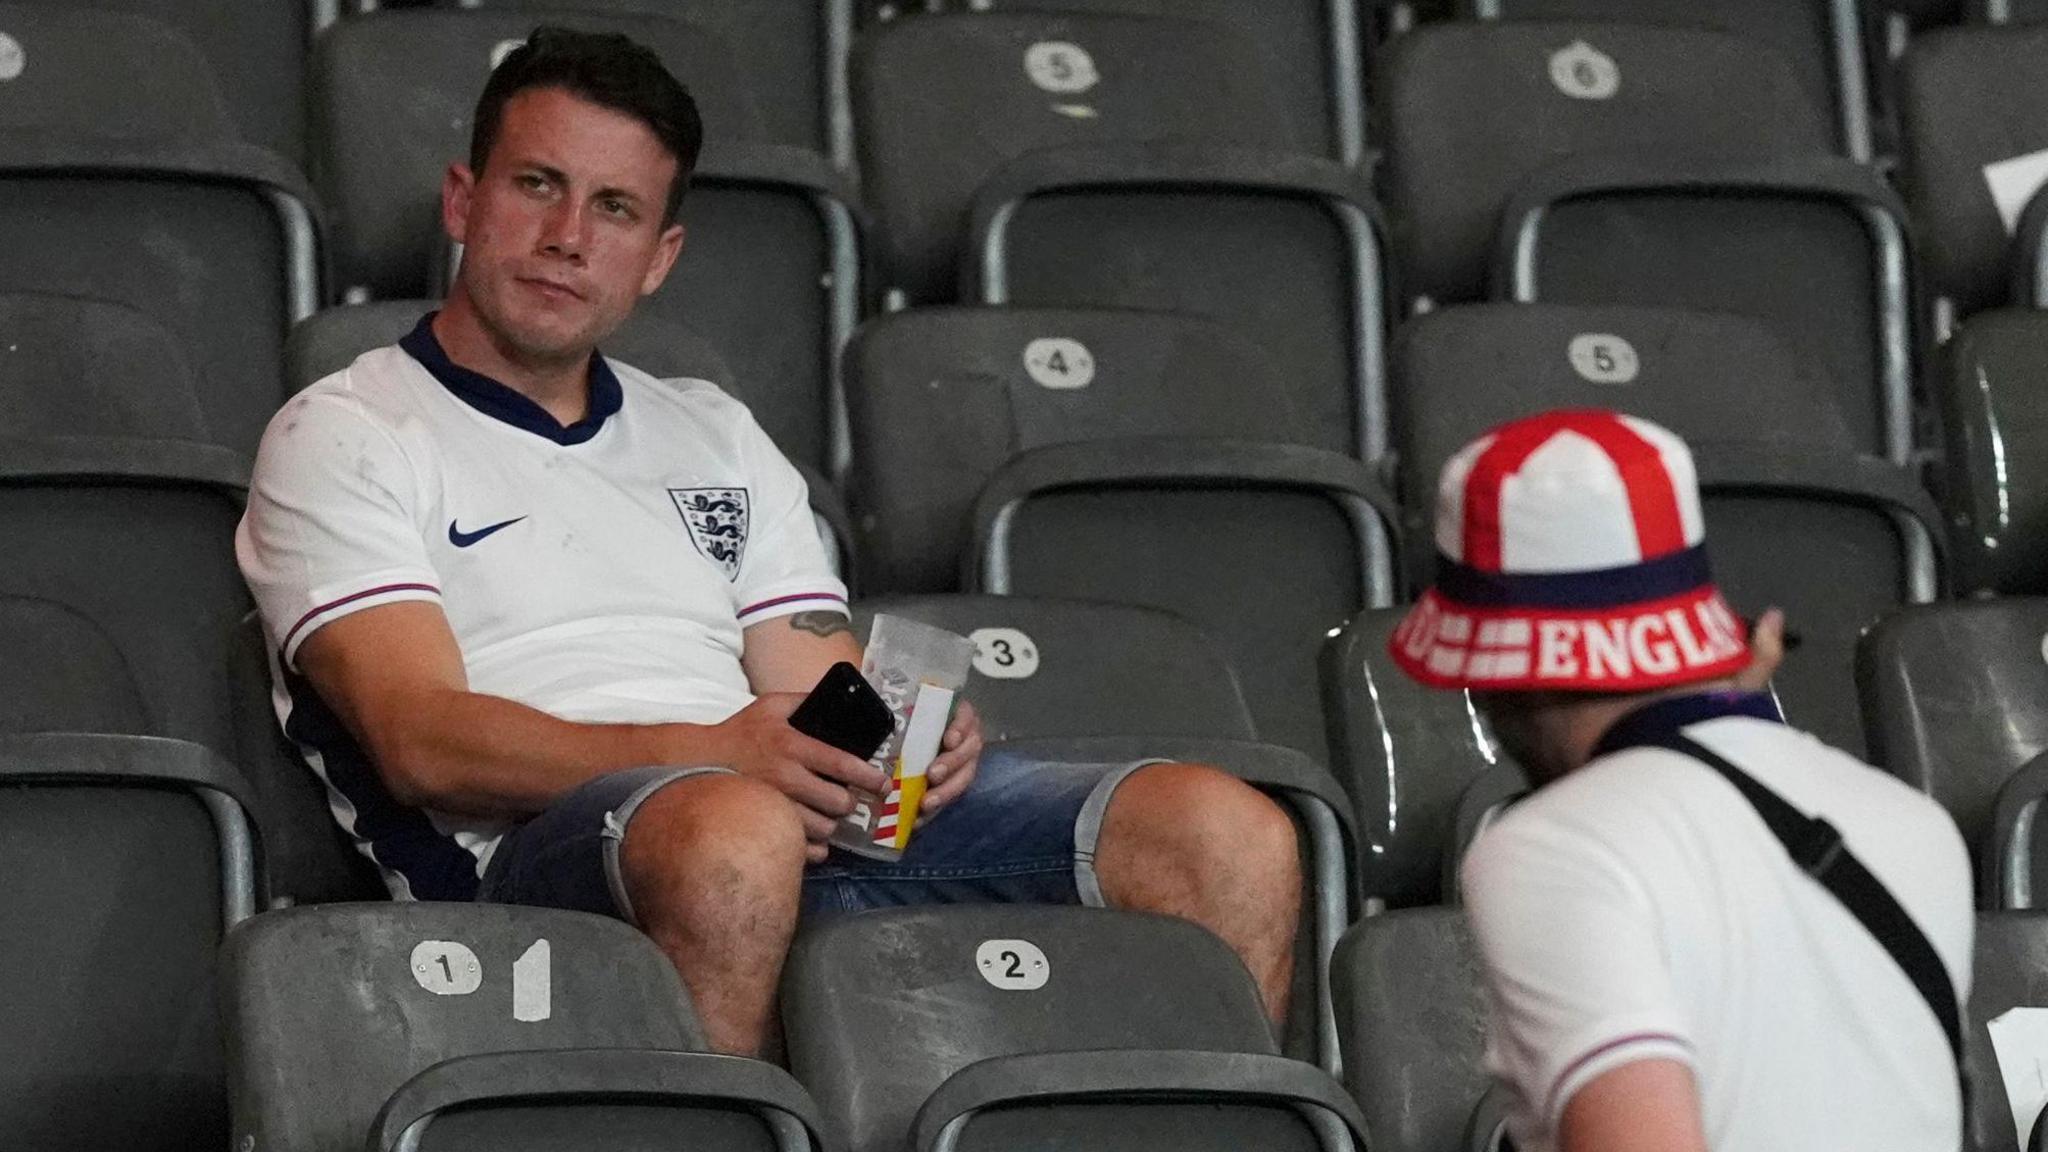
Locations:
column 787, row 51
column 113, row 910
column 939, row 398
column 1059, row 668
column 1803, row 256
column 1014, row 83
column 1302, row 42
column 135, row 197
column 1708, row 376
column 255, row 51
column 121, row 596
column 1471, row 111
column 84, row 367
column 1956, row 699
column 329, row 1010
column 1996, row 486
column 1802, row 32
column 1974, row 121
column 943, row 988
column 1413, row 1019
column 1406, row 754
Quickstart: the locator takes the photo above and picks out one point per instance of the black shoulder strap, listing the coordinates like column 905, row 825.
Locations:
column 1816, row 846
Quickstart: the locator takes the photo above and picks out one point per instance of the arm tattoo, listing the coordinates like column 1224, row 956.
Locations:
column 821, row 624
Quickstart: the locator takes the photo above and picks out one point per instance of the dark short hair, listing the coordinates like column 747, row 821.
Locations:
column 608, row 70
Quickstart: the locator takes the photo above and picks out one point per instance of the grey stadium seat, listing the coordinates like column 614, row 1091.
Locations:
column 1970, row 102
column 2011, row 971
column 479, row 1026
column 1122, row 161
column 118, row 591
column 1407, row 754
column 140, row 196
column 1469, row 112
column 1646, row 165
column 1987, row 391
column 1085, row 683
column 769, row 273
column 329, row 341
column 127, row 858
column 1009, row 1027
column 256, row 49
column 1049, row 491
column 1410, row 1002
column 1312, row 50
column 793, row 53
column 1796, row 517
column 1956, row 700
column 1821, row 39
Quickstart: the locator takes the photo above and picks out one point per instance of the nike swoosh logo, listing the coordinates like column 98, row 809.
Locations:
column 461, row 539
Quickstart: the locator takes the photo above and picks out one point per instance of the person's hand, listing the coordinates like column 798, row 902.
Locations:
column 959, row 755
column 757, row 741
column 1766, row 652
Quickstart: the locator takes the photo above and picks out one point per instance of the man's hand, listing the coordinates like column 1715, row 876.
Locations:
column 757, row 741
column 960, row 754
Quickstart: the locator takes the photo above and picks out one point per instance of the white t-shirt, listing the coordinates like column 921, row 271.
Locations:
column 601, row 572
column 1639, row 908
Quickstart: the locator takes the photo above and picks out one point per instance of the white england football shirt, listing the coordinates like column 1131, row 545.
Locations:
column 601, row 572
column 1639, row 908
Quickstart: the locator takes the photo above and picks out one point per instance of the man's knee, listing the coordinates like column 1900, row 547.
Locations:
column 1205, row 819
column 707, row 835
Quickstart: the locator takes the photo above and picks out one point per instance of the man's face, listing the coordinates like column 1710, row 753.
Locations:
column 562, row 230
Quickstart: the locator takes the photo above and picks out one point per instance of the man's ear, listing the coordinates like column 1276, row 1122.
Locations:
column 666, row 250
column 458, row 184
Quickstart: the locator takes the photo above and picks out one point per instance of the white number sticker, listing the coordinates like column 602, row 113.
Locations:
column 1605, row 359
column 1061, row 68
column 446, row 968
column 1057, row 362
column 2044, row 648
column 502, row 49
column 1583, row 72
column 533, row 990
column 13, row 58
column 1013, row 965
column 1004, row 654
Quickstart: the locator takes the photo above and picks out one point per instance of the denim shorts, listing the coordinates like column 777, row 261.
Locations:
column 1025, row 832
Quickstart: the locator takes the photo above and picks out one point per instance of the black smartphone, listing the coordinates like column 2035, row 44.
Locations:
column 845, row 711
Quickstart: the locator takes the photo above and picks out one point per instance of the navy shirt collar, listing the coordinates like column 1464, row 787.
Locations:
column 1648, row 725
column 500, row 402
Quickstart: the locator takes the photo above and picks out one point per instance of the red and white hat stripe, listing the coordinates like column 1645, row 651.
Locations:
column 1632, row 496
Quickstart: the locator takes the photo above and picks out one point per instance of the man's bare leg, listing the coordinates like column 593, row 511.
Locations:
column 714, row 866
column 1191, row 841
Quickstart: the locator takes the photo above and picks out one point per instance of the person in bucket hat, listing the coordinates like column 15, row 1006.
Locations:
column 1676, row 926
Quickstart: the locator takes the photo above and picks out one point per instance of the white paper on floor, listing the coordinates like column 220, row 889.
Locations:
column 2020, row 1038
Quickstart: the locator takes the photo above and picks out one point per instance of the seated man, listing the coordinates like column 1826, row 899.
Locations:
column 1681, row 951
column 531, row 669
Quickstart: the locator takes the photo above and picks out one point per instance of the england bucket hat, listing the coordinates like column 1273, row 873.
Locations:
column 1571, row 556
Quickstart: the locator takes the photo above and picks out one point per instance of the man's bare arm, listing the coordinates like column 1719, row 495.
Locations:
column 394, row 676
column 1647, row 1106
column 790, row 653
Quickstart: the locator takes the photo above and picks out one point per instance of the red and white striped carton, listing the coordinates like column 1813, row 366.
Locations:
column 917, row 670
column 1571, row 556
